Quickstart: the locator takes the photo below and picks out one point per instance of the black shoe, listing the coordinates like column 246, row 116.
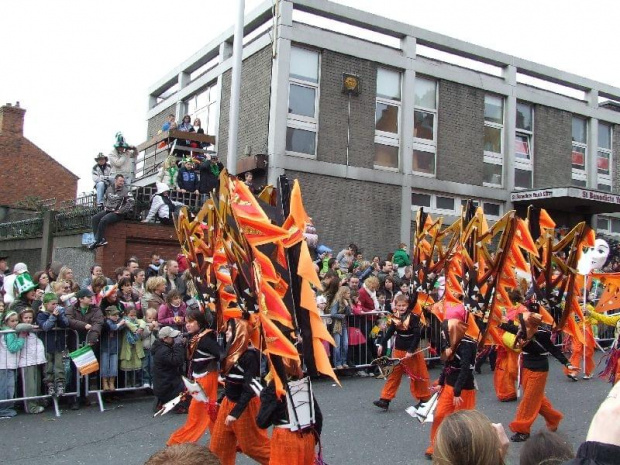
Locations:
column 51, row 390
column 382, row 403
column 428, row 456
column 572, row 376
column 478, row 370
column 102, row 242
column 93, row 246
column 519, row 437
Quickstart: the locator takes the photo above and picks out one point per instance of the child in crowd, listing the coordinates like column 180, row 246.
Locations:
column 126, row 294
column 52, row 316
column 10, row 345
column 31, row 358
column 148, row 338
column 172, row 313
column 132, row 351
column 110, row 342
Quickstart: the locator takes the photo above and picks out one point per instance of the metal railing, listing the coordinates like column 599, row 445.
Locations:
column 22, row 229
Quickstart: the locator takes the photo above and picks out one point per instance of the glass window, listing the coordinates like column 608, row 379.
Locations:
column 492, row 173
column 464, row 203
column 522, row 146
column 444, row 203
column 424, row 162
column 604, row 136
column 615, row 226
column 580, row 130
column 524, row 116
column 578, row 157
column 492, row 139
column 491, row 209
column 300, row 141
column 578, row 182
column 602, row 162
column 388, row 84
column 425, row 93
column 420, row 200
column 304, row 64
column 523, row 179
column 423, row 123
column 386, row 117
column 602, row 223
column 494, row 109
column 604, row 187
column 386, row 155
column 301, row 100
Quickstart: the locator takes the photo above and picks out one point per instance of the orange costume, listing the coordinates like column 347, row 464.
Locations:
column 407, row 329
column 457, row 377
column 506, row 373
column 236, row 419
column 203, row 353
column 577, row 349
column 534, row 340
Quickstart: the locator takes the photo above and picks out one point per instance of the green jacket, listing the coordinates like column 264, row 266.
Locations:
column 401, row 258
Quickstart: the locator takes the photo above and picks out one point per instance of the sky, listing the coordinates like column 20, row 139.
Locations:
column 82, row 69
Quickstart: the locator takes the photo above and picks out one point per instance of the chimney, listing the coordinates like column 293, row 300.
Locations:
column 12, row 120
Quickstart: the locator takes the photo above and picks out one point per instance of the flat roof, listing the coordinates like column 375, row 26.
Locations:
column 569, row 199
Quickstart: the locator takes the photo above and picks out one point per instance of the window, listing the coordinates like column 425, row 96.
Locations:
column 303, row 102
column 424, row 126
column 523, row 146
column 203, row 106
column 608, row 225
column 580, row 148
column 444, row 204
column 602, row 223
column 603, row 157
column 387, row 118
column 493, row 140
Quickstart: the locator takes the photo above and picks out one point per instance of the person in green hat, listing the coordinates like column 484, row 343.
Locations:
column 26, row 292
column 10, row 346
column 122, row 158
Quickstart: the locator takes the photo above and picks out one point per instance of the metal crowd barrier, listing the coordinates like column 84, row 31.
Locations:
column 33, row 351
column 108, row 352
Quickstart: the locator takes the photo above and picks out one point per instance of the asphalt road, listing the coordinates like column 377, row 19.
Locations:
column 355, row 431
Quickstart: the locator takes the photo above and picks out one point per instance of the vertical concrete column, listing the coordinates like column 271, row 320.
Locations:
column 224, row 54
column 510, row 125
column 182, row 80
column 47, row 238
column 592, row 152
column 408, row 46
column 278, row 111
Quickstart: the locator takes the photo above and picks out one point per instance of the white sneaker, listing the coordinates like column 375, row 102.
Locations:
column 587, row 376
column 146, row 385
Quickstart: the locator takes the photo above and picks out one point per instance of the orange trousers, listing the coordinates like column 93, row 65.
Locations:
column 198, row 418
column 506, row 373
column 291, row 448
column 420, row 388
column 252, row 440
column 576, row 358
column 446, row 407
column 533, row 403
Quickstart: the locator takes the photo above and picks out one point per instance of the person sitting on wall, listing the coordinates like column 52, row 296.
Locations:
column 101, row 176
column 117, row 202
column 210, row 170
column 162, row 206
column 187, row 179
column 122, row 158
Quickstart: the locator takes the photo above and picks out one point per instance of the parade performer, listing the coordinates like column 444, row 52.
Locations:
column 203, row 353
column 456, row 381
column 534, row 339
column 612, row 367
column 507, row 363
column 406, row 324
column 577, row 349
column 236, row 419
column 295, row 416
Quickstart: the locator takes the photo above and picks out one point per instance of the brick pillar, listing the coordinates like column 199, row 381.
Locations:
column 113, row 255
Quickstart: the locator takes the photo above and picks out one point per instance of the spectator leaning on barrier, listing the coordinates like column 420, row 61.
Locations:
column 187, row 179
column 52, row 317
column 10, row 345
column 101, row 175
column 85, row 318
column 162, row 206
column 117, row 202
column 27, row 294
column 210, row 170
column 30, row 358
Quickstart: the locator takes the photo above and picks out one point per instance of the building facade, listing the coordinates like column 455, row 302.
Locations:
column 377, row 118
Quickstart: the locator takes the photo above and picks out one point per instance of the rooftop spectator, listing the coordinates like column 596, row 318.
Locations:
column 168, row 124
column 168, row 172
column 186, row 124
column 187, row 179
column 117, row 202
column 102, row 176
column 122, row 158
column 210, row 170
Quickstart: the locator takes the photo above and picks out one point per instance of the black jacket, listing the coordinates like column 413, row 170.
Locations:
column 237, row 386
column 167, row 367
column 596, row 453
column 208, row 181
column 406, row 339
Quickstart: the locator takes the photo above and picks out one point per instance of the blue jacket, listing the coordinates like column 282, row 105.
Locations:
column 109, row 337
column 187, row 179
column 53, row 340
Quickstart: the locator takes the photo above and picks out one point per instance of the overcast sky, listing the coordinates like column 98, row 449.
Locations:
column 82, row 69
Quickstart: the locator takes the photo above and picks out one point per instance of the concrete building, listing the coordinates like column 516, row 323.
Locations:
column 377, row 118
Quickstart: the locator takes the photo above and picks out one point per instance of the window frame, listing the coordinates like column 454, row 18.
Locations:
column 197, row 112
column 390, row 139
column 578, row 175
column 601, row 178
column 521, row 163
column 303, row 122
column 426, row 145
column 496, row 158
column 458, row 203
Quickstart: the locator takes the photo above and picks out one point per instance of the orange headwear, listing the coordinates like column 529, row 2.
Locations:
column 454, row 328
column 241, row 340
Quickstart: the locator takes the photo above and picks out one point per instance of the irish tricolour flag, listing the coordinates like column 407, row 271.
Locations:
column 85, row 360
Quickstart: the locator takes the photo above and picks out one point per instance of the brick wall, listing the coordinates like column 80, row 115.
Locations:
column 333, row 111
column 254, row 106
column 25, row 169
column 372, row 219
column 460, row 135
column 157, row 121
column 615, row 165
column 126, row 239
column 552, row 147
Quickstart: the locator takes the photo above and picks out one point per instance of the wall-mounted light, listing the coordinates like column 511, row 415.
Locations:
column 351, row 84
